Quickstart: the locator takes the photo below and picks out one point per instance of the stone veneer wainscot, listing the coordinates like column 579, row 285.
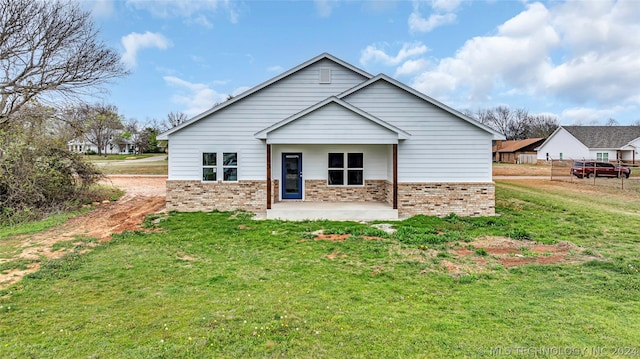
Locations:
column 439, row 199
column 193, row 196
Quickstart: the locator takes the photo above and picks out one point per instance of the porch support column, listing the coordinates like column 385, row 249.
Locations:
column 268, row 176
column 395, row 176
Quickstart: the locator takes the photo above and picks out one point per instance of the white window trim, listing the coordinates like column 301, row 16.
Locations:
column 228, row 166
column 219, row 167
column 202, row 167
column 345, row 171
column 602, row 156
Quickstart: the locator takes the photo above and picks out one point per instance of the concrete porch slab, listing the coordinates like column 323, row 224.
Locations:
column 335, row 211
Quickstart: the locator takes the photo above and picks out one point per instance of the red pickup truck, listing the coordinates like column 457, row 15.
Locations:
column 592, row 169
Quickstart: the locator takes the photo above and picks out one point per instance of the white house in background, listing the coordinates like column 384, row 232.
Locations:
column 602, row 143
column 117, row 146
column 327, row 131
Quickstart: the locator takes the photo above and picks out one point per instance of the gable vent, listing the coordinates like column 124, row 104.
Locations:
column 325, row 76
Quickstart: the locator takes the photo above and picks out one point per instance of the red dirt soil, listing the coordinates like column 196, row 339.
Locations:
column 510, row 253
column 143, row 195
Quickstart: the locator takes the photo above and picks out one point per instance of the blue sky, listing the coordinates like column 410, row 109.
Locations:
column 577, row 60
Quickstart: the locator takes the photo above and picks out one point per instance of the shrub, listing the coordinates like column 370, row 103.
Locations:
column 520, row 234
column 37, row 177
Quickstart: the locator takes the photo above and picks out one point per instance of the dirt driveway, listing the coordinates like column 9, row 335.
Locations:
column 143, row 195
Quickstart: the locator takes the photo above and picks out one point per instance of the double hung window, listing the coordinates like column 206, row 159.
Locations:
column 230, row 166
column 209, row 166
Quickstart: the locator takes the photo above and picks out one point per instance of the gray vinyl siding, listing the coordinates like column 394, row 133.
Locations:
column 442, row 147
column 333, row 124
column 232, row 129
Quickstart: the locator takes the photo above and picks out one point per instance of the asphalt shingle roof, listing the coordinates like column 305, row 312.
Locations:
column 604, row 136
column 514, row 145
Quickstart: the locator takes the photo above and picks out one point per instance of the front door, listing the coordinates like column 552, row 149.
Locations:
column 292, row 176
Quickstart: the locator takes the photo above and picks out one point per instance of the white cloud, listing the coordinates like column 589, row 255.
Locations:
column 102, row 8
column 195, row 96
column 419, row 24
column 325, row 7
column 202, row 21
column 373, row 54
column 411, row 67
column 276, row 68
column 196, row 11
column 443, row 14
column 134, row 42
column 588, row 116
column 518, row 55
column 445, row 5
column 580, row 51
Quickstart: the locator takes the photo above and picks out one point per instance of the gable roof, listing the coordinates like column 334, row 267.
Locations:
column 323, row 56
column 434, row 102
column 364, row 84
column 604, row 136
column 402, row 135
column 514, row 145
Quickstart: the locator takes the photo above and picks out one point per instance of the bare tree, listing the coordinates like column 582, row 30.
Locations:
column 516, row 124
column 511, row 123
column 542, row 126
column 612, row 122
column 100, row 124
column 175, row 118
column 50, row 48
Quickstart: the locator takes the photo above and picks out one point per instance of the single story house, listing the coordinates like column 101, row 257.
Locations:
column 516, row 151
column 601, row 143
column 324, row 132
column 116, row 145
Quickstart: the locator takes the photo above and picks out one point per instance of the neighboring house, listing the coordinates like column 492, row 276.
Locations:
column 601, row 143
column 516, row 151
column 116, row 145
column 327, row 131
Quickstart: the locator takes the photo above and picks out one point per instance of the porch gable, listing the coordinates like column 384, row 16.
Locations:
column 332, row 121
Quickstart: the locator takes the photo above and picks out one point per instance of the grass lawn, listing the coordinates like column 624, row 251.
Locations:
column 123, row 164
column 144, row 168
column 221, row 285
column 119, row 157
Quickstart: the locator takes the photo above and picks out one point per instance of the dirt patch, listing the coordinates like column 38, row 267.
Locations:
column 321, row 236
column 484, row 252
column 342, row 237
column 143, row 196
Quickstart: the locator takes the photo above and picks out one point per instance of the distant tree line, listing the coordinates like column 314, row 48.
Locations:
column 516, row 124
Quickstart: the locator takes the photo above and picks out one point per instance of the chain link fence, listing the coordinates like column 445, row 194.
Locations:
column 561, row 170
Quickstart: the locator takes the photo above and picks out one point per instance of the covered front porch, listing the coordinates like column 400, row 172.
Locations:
column 335, row 211
column 332, row 161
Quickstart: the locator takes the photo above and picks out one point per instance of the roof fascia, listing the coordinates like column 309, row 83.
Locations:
column 496, row 135
column 165, row 135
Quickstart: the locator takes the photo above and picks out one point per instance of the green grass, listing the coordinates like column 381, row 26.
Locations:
column 147, row 168
column 221, row 285
column 121, row 157
column 35, row 227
